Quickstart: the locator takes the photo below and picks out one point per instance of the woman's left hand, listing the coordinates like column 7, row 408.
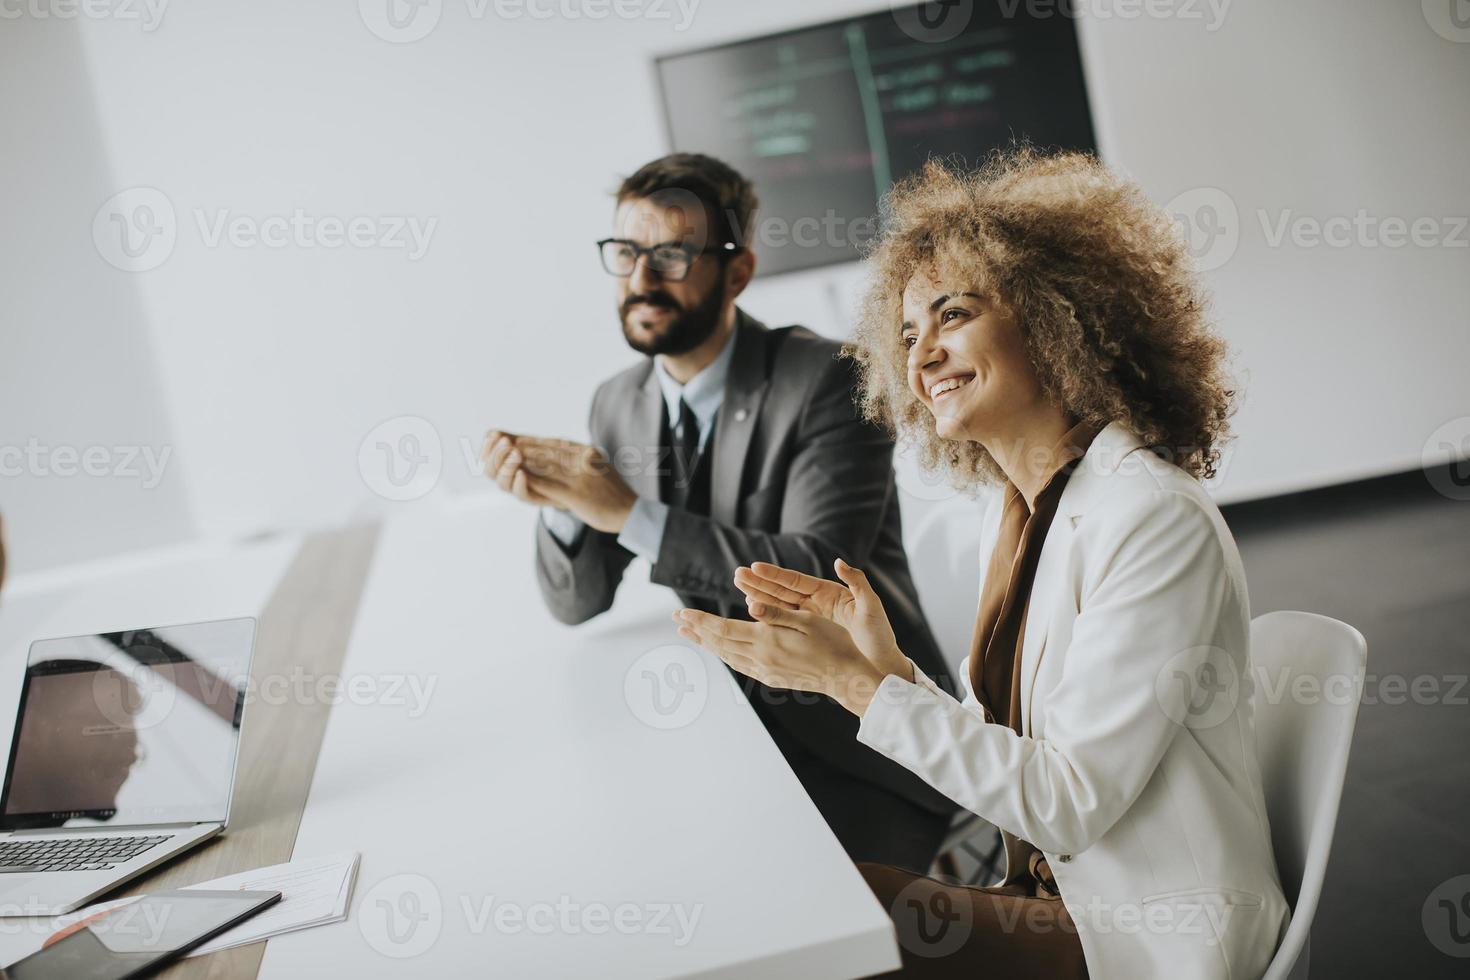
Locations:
column 786, row 648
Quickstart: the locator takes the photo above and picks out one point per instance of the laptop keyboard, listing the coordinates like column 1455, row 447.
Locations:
column 73, row 853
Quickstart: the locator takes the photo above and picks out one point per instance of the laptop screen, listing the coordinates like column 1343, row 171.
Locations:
column 137, row 727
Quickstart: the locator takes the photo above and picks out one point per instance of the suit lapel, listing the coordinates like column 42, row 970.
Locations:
column 1050, row 570
column 745, row 391
column 1050, row 590
column 645, row 425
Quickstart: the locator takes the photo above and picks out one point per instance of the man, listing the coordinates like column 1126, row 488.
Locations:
column 730, row 444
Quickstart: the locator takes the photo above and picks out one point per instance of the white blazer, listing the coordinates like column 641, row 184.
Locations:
column 1136, row 772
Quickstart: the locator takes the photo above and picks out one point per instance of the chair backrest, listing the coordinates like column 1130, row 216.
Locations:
column 1303, row 732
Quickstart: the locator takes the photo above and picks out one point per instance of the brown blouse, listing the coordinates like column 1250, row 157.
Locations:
column 1000, row 625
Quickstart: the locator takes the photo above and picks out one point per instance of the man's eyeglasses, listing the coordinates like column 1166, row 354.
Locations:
column 668, row 260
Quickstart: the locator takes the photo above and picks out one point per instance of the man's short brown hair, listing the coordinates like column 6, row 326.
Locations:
column 729, row 199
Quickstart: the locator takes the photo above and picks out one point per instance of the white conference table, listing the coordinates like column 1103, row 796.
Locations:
column 536, row 800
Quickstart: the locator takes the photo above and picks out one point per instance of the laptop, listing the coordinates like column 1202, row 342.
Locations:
column 123, row 756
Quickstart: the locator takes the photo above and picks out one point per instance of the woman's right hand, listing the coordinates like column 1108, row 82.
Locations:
column 853, row 606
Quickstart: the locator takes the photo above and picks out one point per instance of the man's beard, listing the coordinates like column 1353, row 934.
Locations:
column 686, row 330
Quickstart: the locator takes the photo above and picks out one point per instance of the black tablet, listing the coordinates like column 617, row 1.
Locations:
column 136, row 939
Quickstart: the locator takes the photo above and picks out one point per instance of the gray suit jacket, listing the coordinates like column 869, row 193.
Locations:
column 799, row 479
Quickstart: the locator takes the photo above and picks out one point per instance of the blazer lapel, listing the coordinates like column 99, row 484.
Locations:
column 645, row 425
column 1040, row 608
column 1050, row 590
column 745, row 391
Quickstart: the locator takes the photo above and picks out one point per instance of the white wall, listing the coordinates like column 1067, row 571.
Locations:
column 80, row 384
column 265, row 368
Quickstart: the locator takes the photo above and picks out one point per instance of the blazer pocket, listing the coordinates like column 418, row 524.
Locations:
column 1199, row 913
column 1242, row 900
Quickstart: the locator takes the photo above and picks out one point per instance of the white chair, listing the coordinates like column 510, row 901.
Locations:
column 1303, row 749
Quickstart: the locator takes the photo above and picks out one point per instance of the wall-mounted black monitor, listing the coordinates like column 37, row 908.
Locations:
column 825, row 118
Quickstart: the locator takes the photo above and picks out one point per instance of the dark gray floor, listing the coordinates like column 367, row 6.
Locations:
column 1391, row 557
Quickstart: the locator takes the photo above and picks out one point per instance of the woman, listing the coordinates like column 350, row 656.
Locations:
column 1037, row 324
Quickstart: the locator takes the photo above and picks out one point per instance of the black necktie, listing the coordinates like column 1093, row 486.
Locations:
column 685, row 447
column 686, row 481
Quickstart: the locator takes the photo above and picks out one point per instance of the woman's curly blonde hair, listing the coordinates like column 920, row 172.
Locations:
column 1098, row 280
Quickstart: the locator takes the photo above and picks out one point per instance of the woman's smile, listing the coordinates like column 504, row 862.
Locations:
column 948, row 385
